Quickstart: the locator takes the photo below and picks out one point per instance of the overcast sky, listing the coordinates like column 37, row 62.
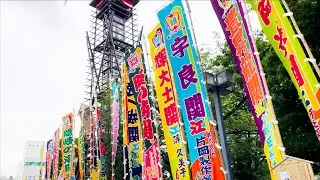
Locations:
column 43, row 65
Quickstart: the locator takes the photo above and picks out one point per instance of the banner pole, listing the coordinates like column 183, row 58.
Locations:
column 300, row 35
column 268, row 96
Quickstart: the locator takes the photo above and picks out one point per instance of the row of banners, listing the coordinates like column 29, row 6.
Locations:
column 182, row 98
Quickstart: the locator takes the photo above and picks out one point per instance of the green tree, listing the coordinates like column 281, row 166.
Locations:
column 248, row 160
column 297, row 132
column 306, row 14
column 106, row 102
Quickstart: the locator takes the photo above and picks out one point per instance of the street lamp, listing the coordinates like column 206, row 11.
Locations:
column 218, row 84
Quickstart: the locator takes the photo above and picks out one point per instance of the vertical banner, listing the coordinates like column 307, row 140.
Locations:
column 126, row 165
column 124, row 99
column 92, row 141
column 55, row 157
column 101, row 147
column 235, row 27
column 41, row 160
column 81, row 155
column 170, row 115
column 49, row 154
column 137, row 76
column 132, row 130
column 115, row 119
column 191, row 92
column 66, row 148
column 281, row 35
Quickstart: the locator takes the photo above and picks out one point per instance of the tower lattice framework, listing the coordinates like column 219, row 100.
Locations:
column 113, row 31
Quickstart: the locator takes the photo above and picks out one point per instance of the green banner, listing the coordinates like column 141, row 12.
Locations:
column 277, row 28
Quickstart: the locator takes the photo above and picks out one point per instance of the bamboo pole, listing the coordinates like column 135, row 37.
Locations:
column 304, row 42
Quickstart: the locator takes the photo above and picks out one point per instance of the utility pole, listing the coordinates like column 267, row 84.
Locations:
column 218, row 84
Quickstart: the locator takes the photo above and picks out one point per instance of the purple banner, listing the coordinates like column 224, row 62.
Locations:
column 233, row 22
column 235, row 28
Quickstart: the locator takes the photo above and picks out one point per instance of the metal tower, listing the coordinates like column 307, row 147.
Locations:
column 113, row 31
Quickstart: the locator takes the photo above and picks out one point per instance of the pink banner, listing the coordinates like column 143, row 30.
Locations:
column 153, row 171
column 56, row 148
column 115, row 119
column 49, row 158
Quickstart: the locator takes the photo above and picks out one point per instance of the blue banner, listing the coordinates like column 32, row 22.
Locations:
column 191, row 92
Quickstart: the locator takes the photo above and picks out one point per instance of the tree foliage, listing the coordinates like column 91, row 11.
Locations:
column 296, row 129
column 106, row 110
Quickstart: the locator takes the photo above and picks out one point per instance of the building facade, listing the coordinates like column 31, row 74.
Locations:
column 33, row 159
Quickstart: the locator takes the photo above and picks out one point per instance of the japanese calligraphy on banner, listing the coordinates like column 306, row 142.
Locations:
column 151, row 154
column 191, row 92
column 49, row 155
column 81, row 151
column 101, row 146
column 126, row 160
column 137, row 76
column 132, row 130
column 234, row 25
column 115, row 118
column 66, row 148
column 169, row 113
column 280, row 33
column 55, row 157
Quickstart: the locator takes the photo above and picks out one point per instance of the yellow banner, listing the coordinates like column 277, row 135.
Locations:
column 67, row 147
column 94, row 175
column 281, row 35
column 133, row 130
column 41, row 160
column 167, row 100
column 80, row 151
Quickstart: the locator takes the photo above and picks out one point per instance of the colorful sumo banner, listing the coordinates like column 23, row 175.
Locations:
column 49, row 155
column 191, row 93
column 170, row 115
column 55, row 158
column 123, row 115
column 235, row 27
column 66, row 148
column 115, row 118
column 81, row 151
column 132, row 131
column 281, row 35
column 101, row 146
column 137, row 76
